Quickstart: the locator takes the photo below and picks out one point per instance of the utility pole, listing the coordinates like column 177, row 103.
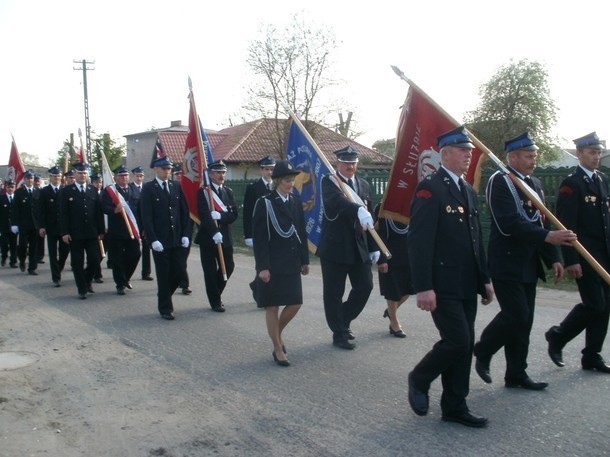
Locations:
column 84, row 69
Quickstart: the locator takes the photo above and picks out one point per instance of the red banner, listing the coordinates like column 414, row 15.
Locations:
column 417, row 155
column 192, row 164
column 15, row 170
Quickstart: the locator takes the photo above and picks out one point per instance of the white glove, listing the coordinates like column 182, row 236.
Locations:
column 217, row 238
column 157, row 246
column 366, row 220
column 185, row 242
column 215, row 215
column 15, row 229
column 374, row 256
column 249, row 242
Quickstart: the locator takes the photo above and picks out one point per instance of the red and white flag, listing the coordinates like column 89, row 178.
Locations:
column 15, row 170
column 421, row 123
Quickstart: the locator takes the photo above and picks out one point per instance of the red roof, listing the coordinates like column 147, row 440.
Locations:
column 247, row 143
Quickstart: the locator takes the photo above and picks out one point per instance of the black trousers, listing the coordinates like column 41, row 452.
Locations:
column 41, row 244
column 339, row 313
column 451, row 357
column 214, row 281
column 58, row 254
column 28, row 248
column 125, row 254
column 9, row 247
column 511, row 327
column 83, row 275
column 169, row 266
column 145, row 259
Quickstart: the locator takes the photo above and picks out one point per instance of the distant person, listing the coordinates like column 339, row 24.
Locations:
column 582, row 206
column 8, row 239
column 165, row 220
column 345, row 249
column 41, row 241
column 281, row 255
column 520, row 241
column 134, row 195
column 98, row 182
column 216, row 220
column 25, row 223
column 448, row 270
column 49, row 225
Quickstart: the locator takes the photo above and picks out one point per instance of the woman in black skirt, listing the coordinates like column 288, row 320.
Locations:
column 394, row 274
column 281, row 255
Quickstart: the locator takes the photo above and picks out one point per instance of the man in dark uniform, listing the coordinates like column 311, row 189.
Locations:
column 345, row 249
column 520, row 241
column 48, row 221
column 8, row 239
column 448, row 269
column 254, row 191
column 165, row 220
column 582, row 205
column 25, row 222
column 41, row 241
column 215, row 229
column 98, row 277
column 123, row 246
column 82, row 226
column 134, row 199
column 185, row 281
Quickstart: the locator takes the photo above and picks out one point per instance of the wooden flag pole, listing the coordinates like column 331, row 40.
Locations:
column 518, row 182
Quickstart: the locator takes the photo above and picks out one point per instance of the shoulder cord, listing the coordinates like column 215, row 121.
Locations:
column 276, row 225
column 395, row 229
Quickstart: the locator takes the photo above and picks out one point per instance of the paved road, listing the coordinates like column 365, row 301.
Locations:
column 114, row 379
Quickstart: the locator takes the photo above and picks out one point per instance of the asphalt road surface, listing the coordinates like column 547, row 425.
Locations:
column 107, row 377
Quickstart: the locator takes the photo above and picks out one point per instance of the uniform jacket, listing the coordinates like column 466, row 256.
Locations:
column 134, row 202
column 25, row 209
column 80, row 213
column 6, row 213
column 254, row 191
column 516, row 245
column 48, row 210
column 582, row 206
column 208, row 227
column 272, row 251
column 117, row 229
column 343, row 240
column 165, row 218
column 391, row 233
column 445, row 245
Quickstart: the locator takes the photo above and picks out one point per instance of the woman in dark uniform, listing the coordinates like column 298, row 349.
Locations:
column 281, row 255
column 394, row 274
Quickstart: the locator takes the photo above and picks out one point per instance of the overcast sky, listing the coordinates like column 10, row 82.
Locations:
column 144, row 52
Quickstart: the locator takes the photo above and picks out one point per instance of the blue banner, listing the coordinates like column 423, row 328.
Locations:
column 308, row 184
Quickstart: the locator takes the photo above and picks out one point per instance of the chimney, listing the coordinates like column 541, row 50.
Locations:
column 176, row 124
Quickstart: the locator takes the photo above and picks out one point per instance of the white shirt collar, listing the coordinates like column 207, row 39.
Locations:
column 456, row 178
column 589, row 173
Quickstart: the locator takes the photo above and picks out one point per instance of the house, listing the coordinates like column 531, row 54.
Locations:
column 242, row 146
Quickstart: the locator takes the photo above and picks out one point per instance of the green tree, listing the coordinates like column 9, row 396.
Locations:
column 516, row 99
column 385, row 147
column 291, row 67
column 107, row 145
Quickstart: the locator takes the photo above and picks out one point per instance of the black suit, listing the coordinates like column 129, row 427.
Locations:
column 165, row 218
column 25, row 216
column 48, row 219
column 8, row 239
column 516, row 252
column 254, row 191
column 582, row 206
column 344, row 252
column 123, row 248
column 134, row 203
column 446, row 255
column 208, row 250
column 81, row 217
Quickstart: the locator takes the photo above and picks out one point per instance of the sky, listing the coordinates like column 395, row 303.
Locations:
column 144, row 52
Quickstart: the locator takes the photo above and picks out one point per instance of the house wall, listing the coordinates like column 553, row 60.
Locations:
column 139, row 149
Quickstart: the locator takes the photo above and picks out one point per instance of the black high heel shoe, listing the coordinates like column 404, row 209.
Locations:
column 385, row 313
column 397, row 333
column 282, row 363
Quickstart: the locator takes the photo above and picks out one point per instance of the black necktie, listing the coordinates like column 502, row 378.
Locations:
column 464, row 190
column 529, row 182
column 350, row 183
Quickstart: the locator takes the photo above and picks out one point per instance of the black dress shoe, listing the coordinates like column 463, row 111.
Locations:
column 218, row 309
column 598, row 364
column 90, row 290
column 128, row 285
column 22, row 267
column 554, row 348
column 418, row 399
column 282, row 363
column 82, row 296
column 466, row 418
column 56, row 284
column 147, row 278
column 32, row 272
column 350, row 335
column 120, row 291
column 482, row 369
column 168, row 317
column 186, row 291
column 385, row 313
column 343, row 344
column 40, row 261
column 4, row 263
column 397, row 333
column 525, row 383
column 98, row 280
column 13, row 265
